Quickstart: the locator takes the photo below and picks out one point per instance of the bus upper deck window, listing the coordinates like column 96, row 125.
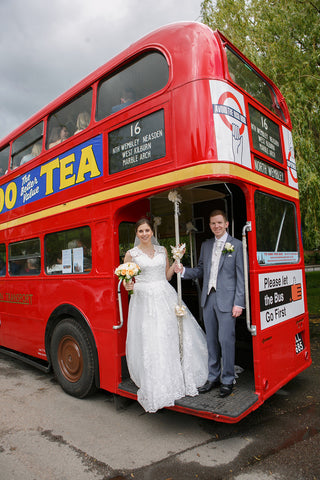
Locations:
column 142, row 77
column 69, row 120
column 4, row 160
column 248, row 79
column 27, row 146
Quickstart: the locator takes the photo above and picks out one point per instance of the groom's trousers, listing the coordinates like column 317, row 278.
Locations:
column 220, row 332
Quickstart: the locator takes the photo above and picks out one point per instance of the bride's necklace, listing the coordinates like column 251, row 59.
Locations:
column 148, row 251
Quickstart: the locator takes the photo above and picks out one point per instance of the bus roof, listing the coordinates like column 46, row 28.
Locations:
column 172, row 40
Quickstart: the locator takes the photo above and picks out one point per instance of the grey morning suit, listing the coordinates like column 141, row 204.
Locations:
column 217, row 306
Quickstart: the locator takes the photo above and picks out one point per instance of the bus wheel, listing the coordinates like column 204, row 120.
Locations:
column 72, row 358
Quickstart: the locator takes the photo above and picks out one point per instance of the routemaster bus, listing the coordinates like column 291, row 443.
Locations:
column 180, row 110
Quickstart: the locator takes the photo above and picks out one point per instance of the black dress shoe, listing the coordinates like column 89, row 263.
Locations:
column 225, row 390
column 209, row 386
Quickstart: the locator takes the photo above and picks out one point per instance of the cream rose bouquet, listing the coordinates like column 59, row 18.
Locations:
column 127, row 271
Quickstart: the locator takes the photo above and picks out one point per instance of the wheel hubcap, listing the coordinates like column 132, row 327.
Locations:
column 70, row 359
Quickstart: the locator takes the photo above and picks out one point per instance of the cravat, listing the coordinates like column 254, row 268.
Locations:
column 216, row 254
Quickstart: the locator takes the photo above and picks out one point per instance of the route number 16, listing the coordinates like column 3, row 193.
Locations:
column 135, row 129
column 264, row 123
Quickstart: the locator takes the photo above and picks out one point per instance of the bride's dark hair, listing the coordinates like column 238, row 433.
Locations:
column 141, row 222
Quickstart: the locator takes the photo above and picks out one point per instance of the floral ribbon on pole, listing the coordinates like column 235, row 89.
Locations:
column 177, row 253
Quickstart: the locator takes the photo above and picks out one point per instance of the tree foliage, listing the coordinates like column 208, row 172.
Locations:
column 282, row 37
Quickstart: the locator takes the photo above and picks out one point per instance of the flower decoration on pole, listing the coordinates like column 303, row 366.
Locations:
column 174, row 196
column 156, row 224
column 178, row 252
column 127, row 271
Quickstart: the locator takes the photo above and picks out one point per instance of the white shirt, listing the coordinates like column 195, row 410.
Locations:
column 215, row 259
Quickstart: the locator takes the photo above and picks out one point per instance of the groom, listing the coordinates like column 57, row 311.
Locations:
column 222, row 299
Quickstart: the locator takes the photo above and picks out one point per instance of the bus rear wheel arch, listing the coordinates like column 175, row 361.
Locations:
column 72, row 357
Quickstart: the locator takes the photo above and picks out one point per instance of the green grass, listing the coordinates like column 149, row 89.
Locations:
column 313, row 293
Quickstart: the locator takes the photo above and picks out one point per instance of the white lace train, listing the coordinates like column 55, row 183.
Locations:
column 153, row 340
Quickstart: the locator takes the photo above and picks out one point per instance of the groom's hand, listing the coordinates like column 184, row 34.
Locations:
column 236, row 311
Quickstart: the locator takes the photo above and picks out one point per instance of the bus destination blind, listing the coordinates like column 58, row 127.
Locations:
column 138, row 142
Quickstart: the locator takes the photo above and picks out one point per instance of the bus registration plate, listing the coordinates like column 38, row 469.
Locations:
column 299, row 343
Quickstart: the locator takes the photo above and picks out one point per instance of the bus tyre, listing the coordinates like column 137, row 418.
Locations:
column 72, row 358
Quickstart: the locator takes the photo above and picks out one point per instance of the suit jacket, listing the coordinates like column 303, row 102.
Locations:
column 230, row 279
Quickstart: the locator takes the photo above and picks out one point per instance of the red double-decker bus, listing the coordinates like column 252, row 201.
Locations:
column 181, row 109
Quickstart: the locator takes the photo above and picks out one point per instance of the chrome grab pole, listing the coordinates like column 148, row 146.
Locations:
column 247, row 228
column 117, row 327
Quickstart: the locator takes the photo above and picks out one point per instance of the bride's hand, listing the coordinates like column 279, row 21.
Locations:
column 128, row 285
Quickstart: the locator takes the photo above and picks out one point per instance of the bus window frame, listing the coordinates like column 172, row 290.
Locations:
column 266, row 253
column 122, row 67
column 276, row 101
column 74, row 231
column 3, row 253
column 67, row 108
column 24, row 257
column 27, row 147
column 5, row 167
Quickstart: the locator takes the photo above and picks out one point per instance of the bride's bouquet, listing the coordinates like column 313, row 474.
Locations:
column 127, row 271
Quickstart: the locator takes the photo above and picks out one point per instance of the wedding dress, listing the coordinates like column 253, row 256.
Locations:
column 152, row 348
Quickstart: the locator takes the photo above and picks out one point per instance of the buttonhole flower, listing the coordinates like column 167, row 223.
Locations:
column 228, row 248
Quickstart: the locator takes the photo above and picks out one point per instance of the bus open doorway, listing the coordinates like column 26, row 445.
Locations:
column 198, row 200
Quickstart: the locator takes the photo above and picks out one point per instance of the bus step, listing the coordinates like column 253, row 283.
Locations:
column 35, row 362
column 240, row 401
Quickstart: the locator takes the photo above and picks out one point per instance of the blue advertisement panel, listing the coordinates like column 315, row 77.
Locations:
column 74, row 167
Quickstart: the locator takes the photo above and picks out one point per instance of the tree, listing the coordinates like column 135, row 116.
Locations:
column 282, row 37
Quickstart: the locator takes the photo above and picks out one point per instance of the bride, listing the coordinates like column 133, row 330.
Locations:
column 152, row 347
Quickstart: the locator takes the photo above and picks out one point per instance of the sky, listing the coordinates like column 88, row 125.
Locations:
column 46, row 47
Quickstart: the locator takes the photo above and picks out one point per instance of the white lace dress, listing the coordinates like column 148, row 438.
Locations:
column 153, row 338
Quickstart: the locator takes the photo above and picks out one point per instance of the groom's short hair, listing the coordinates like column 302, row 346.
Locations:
column 216, row 212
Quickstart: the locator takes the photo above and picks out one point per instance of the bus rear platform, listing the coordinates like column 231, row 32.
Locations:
column 209, row 405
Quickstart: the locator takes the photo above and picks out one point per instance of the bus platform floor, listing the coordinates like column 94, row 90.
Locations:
column 242, row 398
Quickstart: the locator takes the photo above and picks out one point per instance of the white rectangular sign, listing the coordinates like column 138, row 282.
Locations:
column 281, row 297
